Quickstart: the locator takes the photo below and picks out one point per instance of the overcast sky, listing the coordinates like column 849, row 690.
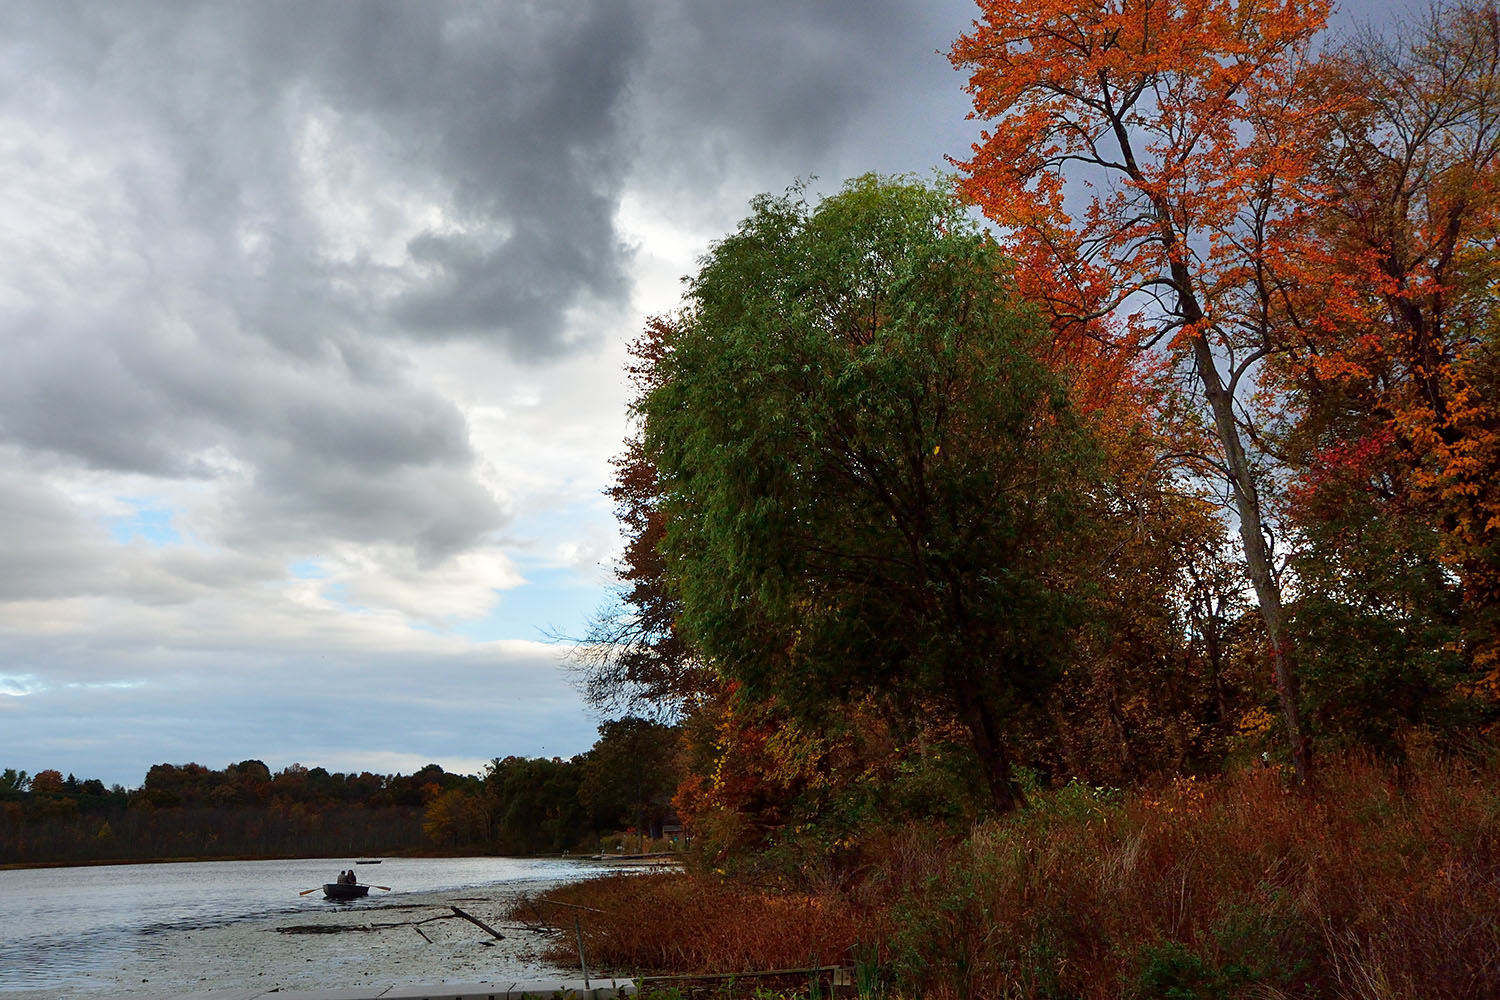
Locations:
column 312, row 323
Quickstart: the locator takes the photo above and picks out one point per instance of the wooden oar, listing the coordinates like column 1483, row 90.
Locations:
column 304, row 892
column 385, row 887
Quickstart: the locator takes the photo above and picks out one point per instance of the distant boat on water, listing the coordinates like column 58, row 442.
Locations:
column 371, row 861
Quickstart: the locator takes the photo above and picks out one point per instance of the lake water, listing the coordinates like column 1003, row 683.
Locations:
column 67, row 928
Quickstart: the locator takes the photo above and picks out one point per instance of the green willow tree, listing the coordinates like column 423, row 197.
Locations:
column 869, row 479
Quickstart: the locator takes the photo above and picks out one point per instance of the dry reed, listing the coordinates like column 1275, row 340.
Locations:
column 1369, row 889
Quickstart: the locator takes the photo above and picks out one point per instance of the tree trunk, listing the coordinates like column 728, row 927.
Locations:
column 1067, row 740
column 984, row 736
column 1246, row 497
column 1129, row 769
column 1257, row 554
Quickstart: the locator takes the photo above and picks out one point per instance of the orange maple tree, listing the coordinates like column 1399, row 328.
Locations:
column 1405, row 369
column 1147, row 161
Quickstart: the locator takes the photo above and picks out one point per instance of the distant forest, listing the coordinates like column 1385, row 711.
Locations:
column 518, row 805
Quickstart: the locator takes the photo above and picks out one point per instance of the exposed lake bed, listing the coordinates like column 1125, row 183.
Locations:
column 55, row 944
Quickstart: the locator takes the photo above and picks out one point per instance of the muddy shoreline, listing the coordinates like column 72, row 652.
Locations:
column 397, row 939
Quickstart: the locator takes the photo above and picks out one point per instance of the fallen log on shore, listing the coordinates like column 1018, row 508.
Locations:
column 386, row 925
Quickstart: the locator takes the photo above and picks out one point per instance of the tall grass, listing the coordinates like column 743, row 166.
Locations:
column 676, row 922
column 1370, row 889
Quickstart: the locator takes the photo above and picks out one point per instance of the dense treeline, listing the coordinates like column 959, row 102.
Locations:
column 1188, row 466
column 1196, row 473
column 194, row 811
column 518, row 806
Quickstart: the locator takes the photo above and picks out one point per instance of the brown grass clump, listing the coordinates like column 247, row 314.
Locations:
column 678, row 922
column 1238, row 887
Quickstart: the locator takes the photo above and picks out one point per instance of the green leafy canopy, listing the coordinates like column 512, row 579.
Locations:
column 869, row 475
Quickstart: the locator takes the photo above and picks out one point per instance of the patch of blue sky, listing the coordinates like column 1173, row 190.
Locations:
column 338, row 593
column 553, row 603
column 307, row 569
column 20, row 685
column 148, row 521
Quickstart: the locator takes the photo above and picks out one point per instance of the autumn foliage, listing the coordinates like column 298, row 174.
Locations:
column 1228, row 887
column 1144, row 155
column 986, row 589
column 1393, row 393
column 1264, row 262
column 1258, row 265
column 1302, row 230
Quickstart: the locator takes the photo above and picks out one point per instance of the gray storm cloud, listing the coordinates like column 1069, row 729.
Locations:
column 178, row 230
column 270, row 274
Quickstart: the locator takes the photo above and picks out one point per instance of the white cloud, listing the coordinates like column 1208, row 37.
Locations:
column 314, row 319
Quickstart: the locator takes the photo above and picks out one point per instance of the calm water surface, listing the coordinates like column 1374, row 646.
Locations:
column 57, row 925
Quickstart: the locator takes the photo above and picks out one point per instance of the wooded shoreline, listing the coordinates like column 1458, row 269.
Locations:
column 1234, row 886
column 519, row 807
column 96, row 862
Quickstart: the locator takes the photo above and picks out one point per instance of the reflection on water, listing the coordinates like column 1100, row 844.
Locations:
column 59, row 926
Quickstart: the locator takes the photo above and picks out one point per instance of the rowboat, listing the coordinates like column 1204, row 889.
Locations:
column 343, row 890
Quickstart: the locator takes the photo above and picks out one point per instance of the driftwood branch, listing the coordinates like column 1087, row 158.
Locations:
column 342, row 928
column 478, row 923
column 413, row 924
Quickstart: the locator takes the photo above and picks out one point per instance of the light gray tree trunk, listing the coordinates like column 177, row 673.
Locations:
column 1257, row 553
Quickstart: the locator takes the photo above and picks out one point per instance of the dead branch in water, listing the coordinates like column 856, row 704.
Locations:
column 478, row 923
column 365, row 928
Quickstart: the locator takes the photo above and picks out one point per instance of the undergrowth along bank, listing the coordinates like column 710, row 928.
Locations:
column 1377, row 885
